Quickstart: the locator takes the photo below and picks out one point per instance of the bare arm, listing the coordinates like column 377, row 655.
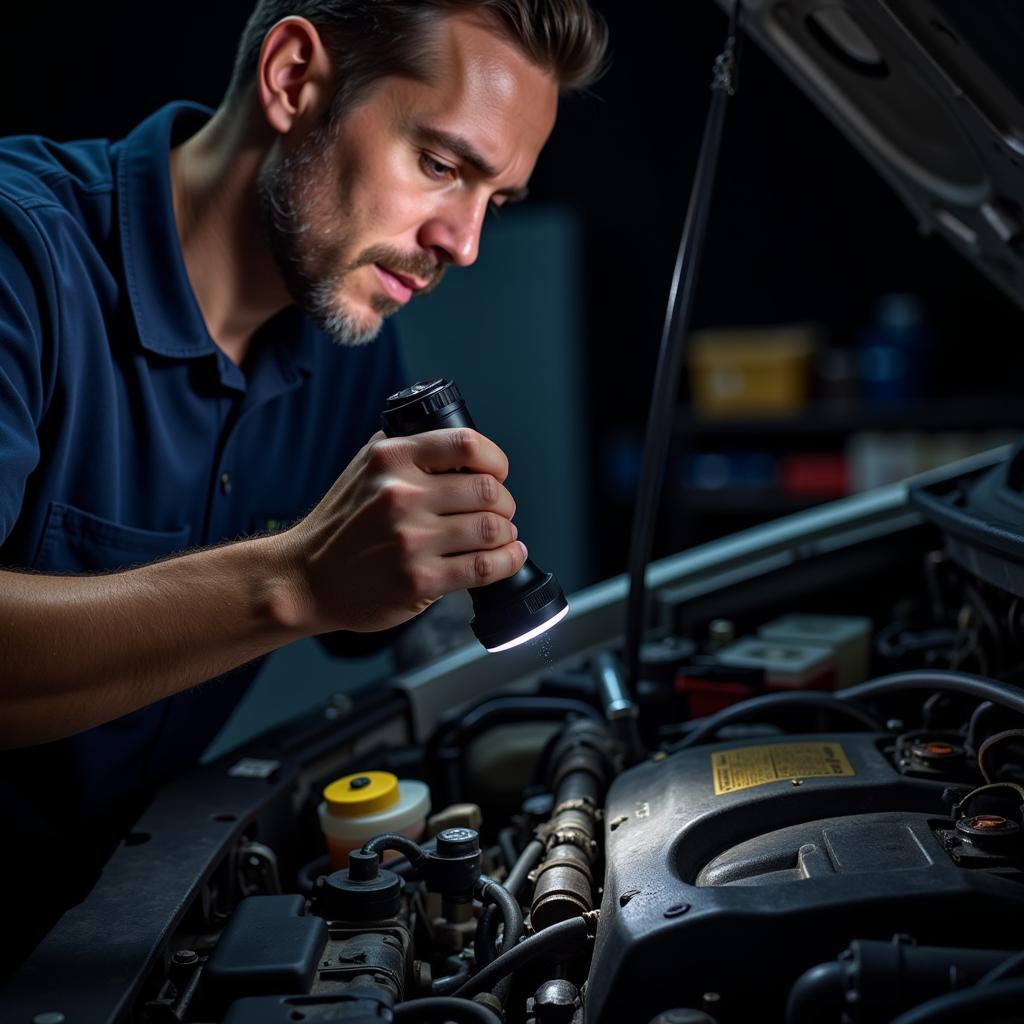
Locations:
column 394, row 533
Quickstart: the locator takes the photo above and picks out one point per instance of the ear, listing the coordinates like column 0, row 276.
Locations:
column 293, row 77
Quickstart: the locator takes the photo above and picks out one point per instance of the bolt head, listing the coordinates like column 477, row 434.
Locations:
column 989, row 821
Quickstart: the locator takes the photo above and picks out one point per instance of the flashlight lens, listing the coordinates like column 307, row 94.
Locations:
column 512, row 610
column 536, row 631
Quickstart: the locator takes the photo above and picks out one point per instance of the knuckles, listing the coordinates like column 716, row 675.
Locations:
column 465, row 443
column 406, row 543
column 491, row 528
column 397, row 498
column 420, row 582
column 384, row 454
column 485, row 567
column 488, row 490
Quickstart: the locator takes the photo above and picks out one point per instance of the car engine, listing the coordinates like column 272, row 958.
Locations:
column 809, row 810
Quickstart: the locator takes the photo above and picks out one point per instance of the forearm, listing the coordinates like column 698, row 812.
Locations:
column 77, row 651
column 395, row 532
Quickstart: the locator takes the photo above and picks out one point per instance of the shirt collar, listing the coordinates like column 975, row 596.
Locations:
column 167, row 314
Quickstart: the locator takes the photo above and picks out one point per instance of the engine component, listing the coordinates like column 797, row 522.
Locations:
column 379, row 958
column 620, row 709
column 555, row 1002
column 564, row 938
column 872, row 980
column 581, row 763
column 269, row 947
column 787, row 665
column 359, row 1005
column 711, row 851
column 361, row 892
column 365, row 804
column 848, row 637
column 930, row 753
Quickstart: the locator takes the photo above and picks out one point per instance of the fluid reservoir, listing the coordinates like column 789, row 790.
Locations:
column 359, row 806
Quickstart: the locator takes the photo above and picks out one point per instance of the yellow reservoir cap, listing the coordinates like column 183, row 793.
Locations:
column 362, row 793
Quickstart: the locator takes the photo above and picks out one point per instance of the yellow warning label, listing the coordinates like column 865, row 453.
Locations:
column 745, row 767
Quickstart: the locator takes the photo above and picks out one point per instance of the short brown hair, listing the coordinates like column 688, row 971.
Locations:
column 372, row 39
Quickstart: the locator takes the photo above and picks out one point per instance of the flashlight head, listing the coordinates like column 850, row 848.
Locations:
column 511, row 611
column 426, row 405
column 508, row 612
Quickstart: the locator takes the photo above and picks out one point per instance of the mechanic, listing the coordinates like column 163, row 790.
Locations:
column 168, row 384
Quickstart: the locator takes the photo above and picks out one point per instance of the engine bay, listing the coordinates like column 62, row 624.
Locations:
column 810, row 810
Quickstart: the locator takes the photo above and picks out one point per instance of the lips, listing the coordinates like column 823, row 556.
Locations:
column 399, row 287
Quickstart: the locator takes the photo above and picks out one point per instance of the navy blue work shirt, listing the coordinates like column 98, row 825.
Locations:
column 126, row 435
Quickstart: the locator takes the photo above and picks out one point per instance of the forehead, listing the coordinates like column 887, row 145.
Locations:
column 483, row 88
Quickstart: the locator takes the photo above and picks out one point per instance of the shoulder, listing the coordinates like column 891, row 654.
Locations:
column 52, row 193
column 56, row 200
column 37, row 172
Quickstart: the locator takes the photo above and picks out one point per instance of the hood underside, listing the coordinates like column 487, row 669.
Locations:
column 932, row 93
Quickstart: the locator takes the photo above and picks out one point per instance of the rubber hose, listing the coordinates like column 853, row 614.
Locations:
column 395, row 841
column 506, row 843
column 487, row 949
column 1009, row 968
column 967, row 1005
column 773, row 702
column 981, row 687
column 558, row 936
column 489, row 891
column 817, row 995
column 443, row 1008
column 448, row 983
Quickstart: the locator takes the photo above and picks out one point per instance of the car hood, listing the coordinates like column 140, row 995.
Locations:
column 932, row 93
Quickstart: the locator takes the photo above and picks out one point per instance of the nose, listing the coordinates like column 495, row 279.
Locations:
column 453, row 232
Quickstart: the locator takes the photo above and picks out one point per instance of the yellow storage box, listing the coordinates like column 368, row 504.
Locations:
column 751, row 371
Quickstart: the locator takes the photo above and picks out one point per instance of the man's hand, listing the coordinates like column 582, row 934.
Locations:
column 399, row 529
column 396, row 531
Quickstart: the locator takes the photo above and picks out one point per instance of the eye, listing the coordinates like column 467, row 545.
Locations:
column 437, row 169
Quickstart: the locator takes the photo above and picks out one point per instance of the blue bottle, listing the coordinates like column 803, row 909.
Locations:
column 893, row 351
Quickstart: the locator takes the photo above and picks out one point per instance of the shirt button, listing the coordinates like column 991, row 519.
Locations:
column 225, row 483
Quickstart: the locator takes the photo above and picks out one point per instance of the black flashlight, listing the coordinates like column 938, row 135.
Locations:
column 508, row 612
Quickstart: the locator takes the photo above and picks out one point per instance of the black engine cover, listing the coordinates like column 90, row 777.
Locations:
column 735, row 866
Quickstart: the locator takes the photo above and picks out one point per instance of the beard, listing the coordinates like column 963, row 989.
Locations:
column 314, row 266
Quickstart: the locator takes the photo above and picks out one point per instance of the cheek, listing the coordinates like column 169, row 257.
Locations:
column 392, row 201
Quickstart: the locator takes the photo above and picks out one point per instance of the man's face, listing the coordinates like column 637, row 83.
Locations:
column 363, row 218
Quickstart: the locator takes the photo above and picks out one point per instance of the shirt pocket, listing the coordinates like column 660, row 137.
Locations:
column 78, row 541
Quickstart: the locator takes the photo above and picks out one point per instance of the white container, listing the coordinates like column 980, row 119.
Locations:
column 786, row 664
column 359, row 806
column 847, row 636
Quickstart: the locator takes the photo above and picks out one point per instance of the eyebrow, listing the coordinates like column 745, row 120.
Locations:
column 461, row 147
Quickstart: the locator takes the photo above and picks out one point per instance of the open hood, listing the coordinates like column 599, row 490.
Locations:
column 932, row 93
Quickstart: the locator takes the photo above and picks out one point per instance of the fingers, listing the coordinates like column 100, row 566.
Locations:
column 454, row 493
column 477, row 532
column 479, row 568
column 440, row 451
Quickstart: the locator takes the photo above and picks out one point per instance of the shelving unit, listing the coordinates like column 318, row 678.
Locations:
column 831, row 430
column 850, row 434
column 846, row 417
